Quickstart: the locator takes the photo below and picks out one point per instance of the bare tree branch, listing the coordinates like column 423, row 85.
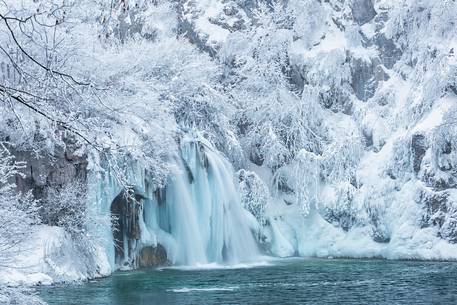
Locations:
column 56, row 121
column 52, row 71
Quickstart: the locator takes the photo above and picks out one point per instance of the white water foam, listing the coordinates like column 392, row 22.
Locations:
column 216, row 266
column 185, row 289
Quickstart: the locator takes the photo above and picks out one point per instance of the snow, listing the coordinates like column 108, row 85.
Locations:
column 369, row 30
column 333, row 41
column 48, row 257
column 336, row 172
column 317, row 238
column 216, row 34
column 435, row 117
column 211, row 9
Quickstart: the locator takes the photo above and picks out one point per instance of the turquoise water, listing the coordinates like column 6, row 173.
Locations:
column 311, row 281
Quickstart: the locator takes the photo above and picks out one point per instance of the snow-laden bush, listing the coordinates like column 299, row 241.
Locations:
column 274, row 121
column 444, row 143
column 402, row 160
column 341, row 158
column 430, row 62
column 18, row 215
column 122, row 21
column 254, row 194
column 307, row 181
column 69, row 207
column 66, row 207
column 410, row 20
column 339, row 206
column 330, row 73
column 18, row 212
column 336, row 166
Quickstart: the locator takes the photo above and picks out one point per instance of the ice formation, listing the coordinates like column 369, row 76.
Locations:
column 198, row 217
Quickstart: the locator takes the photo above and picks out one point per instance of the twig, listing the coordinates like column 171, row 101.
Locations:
column 64, row 75
column 56, row 121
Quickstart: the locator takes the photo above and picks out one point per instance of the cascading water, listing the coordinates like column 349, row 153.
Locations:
column 201, row 210
column 198, row 218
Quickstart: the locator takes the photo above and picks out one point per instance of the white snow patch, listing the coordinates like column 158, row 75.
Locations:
column 435, row 116
column 49, row 257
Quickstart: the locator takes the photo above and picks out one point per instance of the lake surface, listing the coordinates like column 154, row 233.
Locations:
column 297, row 281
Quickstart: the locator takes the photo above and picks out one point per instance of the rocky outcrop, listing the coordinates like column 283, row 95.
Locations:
column 418, row 149
column 362, row 10
column 47, row 170
column 389, row 53
column 126, row 208
column 366, row 76
column 153, row 257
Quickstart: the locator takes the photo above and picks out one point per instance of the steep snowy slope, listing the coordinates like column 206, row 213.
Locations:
column 382, row 181
column 375, row 177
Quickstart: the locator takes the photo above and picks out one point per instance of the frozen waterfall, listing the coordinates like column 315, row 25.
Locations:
column 198, row 217
column 202, row 211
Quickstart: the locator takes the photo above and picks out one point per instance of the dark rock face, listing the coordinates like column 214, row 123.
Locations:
column 127, row 224
column 153, row 257
column 418, row 149
column 388, row 50
column 362, row 10
column 367, row 74
column 366, row 77
column 44, row 171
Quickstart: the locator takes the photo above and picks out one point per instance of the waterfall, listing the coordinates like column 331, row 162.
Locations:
column 197, row 218
column 201, row 210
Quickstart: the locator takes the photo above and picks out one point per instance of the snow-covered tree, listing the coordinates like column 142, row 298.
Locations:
column 18, row 212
